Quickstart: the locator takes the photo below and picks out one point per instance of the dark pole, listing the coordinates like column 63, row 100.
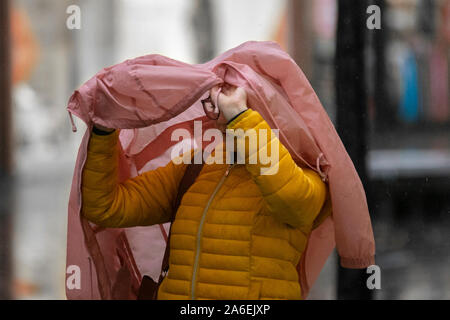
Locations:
column 384, row 115
column 351, row 116
column 301, row 33
column 204, row 29
column 5, row 152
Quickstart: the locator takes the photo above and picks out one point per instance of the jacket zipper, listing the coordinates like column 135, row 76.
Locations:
column 200, row 229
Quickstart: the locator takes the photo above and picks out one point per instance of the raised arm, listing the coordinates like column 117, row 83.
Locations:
column 293, row 195
column 140, row 201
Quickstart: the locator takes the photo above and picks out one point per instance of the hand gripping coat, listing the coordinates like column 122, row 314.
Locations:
column 151, row 96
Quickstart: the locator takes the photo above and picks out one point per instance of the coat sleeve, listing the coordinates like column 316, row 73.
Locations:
column 139, row 201
column 293, row 195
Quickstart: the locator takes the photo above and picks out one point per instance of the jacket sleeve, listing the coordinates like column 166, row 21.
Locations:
column 293, row 195
column 139, row 201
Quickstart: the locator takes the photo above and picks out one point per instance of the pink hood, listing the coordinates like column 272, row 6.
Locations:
column 149, row 97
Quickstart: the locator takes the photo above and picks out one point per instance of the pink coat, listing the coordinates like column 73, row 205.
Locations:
column 149, row 97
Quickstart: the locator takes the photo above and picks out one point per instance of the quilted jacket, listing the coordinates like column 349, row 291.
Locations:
column 238, row 234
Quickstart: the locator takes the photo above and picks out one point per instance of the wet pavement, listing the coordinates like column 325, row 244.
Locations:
column 43, row 176
column 415, row 259
column 413, row 253
column 39, row 230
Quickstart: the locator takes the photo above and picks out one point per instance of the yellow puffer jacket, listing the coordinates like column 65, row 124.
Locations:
column 237, row 234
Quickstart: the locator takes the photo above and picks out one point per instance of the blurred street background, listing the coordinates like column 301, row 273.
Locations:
column 386, row 90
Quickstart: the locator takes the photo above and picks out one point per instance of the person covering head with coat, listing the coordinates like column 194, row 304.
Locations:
column 260, row 218
column 238, row 233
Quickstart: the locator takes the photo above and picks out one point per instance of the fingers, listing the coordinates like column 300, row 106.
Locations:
column 227, row 92
column 214, row 90
column 225, row 89
column 228, row 89
column 241, row 92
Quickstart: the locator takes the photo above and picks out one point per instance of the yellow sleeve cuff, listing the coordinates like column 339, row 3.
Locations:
column 243, row 115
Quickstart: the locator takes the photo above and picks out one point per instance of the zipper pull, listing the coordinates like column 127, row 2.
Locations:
column 74, row 127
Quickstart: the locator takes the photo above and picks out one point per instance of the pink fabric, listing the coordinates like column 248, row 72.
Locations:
column 150, row 96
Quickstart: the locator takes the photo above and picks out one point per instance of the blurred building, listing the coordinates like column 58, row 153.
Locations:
column 408, row 147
